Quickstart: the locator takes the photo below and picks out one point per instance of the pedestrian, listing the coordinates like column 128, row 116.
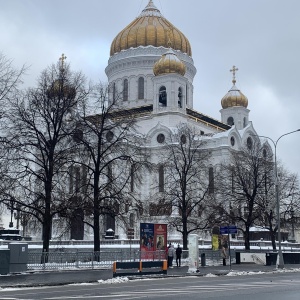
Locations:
column 171, row 254
column 178, row 255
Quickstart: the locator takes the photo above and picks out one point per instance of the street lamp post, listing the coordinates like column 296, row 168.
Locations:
column 280, row 264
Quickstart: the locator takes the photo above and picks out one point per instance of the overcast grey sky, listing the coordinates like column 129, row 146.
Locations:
column 260, row 37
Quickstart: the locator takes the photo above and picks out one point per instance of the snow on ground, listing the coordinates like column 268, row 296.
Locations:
column 210, row 275
column 114, row 280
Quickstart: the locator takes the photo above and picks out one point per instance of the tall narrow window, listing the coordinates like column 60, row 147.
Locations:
column 180, row 97
column 125, row 90
column 77, row 179
column 131, row 220
column 114, row 91
column 109, row 176
column 232, row 181
column 163, row 96
column 71, row 181
column 141, row 88
column 186, row 88
column 161, row 179
column 211, row 184
column 84, row 180
column 132, row 179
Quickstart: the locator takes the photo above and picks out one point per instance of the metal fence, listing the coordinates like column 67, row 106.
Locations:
column 38, row 260
column 75, row 259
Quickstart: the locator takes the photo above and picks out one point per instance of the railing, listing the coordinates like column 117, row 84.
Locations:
column 135, row 243
column 86, row 259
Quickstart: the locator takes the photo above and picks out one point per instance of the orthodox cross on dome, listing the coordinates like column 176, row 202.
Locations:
column 62, row 60
column 233, row 70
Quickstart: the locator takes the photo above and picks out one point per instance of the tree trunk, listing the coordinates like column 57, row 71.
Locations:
column 273, row 238
column 247, row 238
column 96, row 230
column 184, row 234
column 47, row 222
column 96, row 222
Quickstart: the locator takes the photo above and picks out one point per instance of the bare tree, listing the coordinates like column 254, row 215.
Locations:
column 289, row 196
column 10, row 79
column 40, row 138
column 188, row 187
column 107, row 147
column 246, row 187
column 247, row 191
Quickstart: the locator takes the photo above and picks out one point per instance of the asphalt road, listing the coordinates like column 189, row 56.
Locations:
column 275, row 286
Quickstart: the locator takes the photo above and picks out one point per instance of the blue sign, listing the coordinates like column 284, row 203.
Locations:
column 231, row 229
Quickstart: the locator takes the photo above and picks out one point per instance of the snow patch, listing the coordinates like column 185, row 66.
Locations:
column 211, row 275
column 114, row 280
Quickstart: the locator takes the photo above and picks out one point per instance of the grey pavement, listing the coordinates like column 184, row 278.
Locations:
column 63, row 277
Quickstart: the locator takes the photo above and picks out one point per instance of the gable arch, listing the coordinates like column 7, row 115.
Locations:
column 152, row 135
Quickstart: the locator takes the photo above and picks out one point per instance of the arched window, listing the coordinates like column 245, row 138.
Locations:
column 162, row 96
column 245, row 122
column 161, row 179
column 249, row 143
column 125, row 90
column 211, row 183
column 180, row 97
column 230, row 121
column 186, row 98
column 141, row 88
column 132, row 169
column 131, row 220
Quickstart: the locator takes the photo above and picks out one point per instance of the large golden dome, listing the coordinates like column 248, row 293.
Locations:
column 234, row 97
column 169, row 63
column 150, row 28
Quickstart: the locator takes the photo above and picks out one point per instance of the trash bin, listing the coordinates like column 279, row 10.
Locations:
column 203, row 261
column 4, row 261
column 238, row 258
column 271, row 259
column 109, row 234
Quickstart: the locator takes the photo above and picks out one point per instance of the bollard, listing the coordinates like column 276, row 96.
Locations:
column 203, row 260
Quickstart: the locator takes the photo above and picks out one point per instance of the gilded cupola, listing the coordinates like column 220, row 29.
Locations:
column 150, row 28
column 234, row 97
column 169, row 63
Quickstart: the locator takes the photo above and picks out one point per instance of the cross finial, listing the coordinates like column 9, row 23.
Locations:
column 233, row 70
column 62, row 60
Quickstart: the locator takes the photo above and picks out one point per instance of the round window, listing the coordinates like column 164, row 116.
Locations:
column 109, row 136
column 232, row 141
column 160, row 138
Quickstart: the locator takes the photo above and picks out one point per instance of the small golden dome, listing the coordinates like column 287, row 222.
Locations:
column 150, row 28
column 234, row 97
column 169, row 63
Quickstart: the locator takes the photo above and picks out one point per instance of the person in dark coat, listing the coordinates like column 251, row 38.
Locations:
column 178, row 255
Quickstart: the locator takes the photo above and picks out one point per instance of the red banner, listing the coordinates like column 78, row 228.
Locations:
column 153, row 237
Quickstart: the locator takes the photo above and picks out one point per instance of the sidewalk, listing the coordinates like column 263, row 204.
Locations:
column 63, row 277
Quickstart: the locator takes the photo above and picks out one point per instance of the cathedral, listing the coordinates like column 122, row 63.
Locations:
column 151, row 63
column 152, row 70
